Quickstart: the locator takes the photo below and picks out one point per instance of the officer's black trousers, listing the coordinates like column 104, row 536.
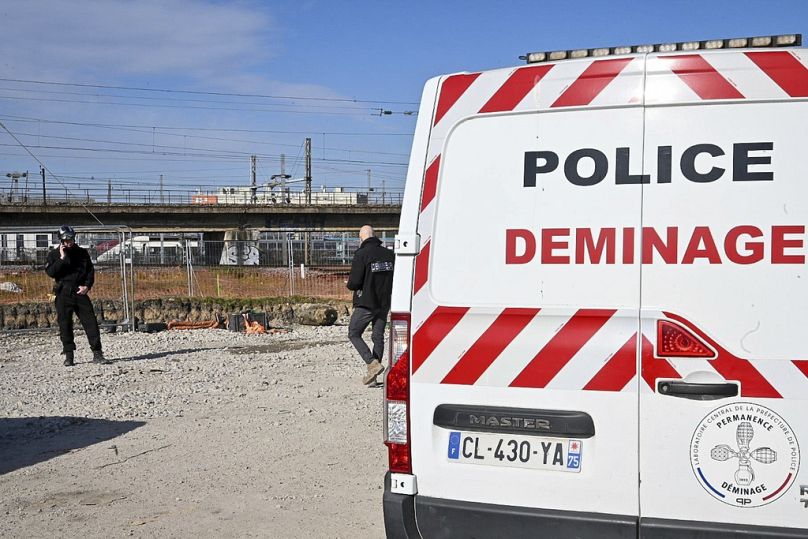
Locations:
column 68, row 303
column 360, row 319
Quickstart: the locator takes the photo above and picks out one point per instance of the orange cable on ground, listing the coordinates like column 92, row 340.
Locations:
column 207, row 324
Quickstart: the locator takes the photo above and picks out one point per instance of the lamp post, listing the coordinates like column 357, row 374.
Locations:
column 15, row 181
column 279, row 179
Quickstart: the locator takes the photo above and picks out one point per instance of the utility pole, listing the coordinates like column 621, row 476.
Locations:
column 44, row 197
column 109, row 192
column 369, row 187
column 161, row 189
column 307, row 235
column 253, row 184
column 308, row 171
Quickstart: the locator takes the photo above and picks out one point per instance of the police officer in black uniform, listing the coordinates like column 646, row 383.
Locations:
column 371, row 280
column 74, row 273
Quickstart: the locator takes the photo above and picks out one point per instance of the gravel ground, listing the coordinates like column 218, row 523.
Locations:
column 202, row 433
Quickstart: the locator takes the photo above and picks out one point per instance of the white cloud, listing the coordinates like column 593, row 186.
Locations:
column 194, row 39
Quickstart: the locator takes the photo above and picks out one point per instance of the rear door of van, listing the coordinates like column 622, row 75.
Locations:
column 525, row 318
column 724, row 296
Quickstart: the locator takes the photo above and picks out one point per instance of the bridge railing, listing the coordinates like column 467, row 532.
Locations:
column 204, row 196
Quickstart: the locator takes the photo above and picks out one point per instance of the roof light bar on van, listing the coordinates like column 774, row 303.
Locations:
column 784, row 40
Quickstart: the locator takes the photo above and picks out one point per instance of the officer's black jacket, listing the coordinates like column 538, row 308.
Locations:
column 76, row 269
column 371, row 276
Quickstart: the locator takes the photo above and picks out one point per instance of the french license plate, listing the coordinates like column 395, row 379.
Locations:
column 556, row 454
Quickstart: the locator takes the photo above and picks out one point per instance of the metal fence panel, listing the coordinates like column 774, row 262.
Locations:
column 301, row 263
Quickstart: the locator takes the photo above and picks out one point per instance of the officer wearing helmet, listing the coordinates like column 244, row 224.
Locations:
column 74, row 273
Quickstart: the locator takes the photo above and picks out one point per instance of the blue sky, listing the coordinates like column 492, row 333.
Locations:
column 315, row 56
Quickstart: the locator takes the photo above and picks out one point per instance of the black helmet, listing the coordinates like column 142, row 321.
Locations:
column 67, row 233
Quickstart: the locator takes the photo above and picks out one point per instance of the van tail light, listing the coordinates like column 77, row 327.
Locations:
column 673, row 340
column 397, row 396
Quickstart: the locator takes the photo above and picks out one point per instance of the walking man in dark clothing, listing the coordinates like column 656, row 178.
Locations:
column 74, row 273
column 371, row 280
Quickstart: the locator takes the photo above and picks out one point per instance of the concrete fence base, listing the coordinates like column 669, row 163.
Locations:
column 43, row 315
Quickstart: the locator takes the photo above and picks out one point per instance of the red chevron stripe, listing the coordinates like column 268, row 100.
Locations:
column 592, row 81
column 430, row 183
column 562, row 347
column 489, row 346
column 433, row 331
column 753, row 384
column 421, row 268
column 654, row 367
column 516, row 88
column 701, row 77
column 784, row 69
column 802, row 365
column 450, row 91
column 731, row 367
column 618, row 371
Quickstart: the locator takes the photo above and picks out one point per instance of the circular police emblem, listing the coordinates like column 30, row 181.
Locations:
column 744, row 454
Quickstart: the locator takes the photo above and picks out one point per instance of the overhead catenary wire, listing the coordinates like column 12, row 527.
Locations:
column 188, row 128
column 46, row 169
column 202, row 137
column 200, row 92
column 221, row 154
column 200, row 152
column 373, row 112
column 185, row 99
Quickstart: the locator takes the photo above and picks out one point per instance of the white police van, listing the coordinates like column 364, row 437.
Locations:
column 601, row 298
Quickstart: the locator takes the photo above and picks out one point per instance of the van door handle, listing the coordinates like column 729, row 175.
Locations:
column 700, row 392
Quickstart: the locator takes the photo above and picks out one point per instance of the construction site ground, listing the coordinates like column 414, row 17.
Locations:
column 201, row 433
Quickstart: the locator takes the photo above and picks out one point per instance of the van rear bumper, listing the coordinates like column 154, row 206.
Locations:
column 399, row 514
column 437, row 517
column 657, row 528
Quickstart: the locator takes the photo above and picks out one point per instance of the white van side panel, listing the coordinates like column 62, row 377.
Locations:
column 548, row 296
column 493, row 332
column 481, row 198
column 403, row 275
column 745, row 279
column 738, row 279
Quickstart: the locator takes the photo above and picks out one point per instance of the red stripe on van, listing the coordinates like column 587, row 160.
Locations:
column 618, row 371
column 784, row 69
column 654, row 367
column 731, row 367
column 701, row 77
column 521, row 81
column 450, row 91
column 430, row 183
column 489, row 346
column 421, row 268
column 433, row 331
column 591, row 82
column 753, row 384
column 802, row 365
column 562, row 347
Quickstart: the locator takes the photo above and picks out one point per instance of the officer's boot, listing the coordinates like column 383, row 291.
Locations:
column 69, row 359
column 98, row 357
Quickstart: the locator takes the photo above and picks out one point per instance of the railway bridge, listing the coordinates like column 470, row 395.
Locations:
column 204, row 218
